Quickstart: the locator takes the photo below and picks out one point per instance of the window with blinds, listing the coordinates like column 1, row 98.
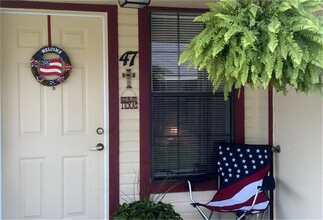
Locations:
column 187, row 118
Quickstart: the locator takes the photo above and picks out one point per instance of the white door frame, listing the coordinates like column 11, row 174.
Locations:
column 104, row 18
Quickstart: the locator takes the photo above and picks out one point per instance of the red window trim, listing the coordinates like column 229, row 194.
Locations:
column 144, row 82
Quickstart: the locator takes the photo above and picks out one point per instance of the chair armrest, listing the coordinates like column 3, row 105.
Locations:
column 268, row 183
column 195, row 204
column 190, row 191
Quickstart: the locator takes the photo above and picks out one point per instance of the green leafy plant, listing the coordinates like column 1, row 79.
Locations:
column 146, row 209
column 150, row 206
column 260, row 42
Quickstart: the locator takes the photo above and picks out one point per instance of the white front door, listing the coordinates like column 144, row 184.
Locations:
column 48, row 170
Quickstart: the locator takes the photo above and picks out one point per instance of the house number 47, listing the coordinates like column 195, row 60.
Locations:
column 129, row 55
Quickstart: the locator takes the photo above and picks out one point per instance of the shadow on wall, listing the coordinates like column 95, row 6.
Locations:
column 298, row 128
column 292, row 195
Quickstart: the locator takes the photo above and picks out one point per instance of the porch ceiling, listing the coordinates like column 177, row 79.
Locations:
column 162, row 3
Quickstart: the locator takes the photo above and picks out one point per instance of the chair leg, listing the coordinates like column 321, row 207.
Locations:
column 195, row 205
column 202, row 213
column 263, row 214
column 241, row 217
column 211, row 215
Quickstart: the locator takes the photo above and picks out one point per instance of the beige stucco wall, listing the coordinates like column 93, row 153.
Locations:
column 298, row 128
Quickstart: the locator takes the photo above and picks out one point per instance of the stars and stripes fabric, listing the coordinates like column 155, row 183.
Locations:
column 242, row 169
column 51, row 67
column 33, row 62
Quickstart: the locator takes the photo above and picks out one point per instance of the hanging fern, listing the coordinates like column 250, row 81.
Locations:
column 260, row 43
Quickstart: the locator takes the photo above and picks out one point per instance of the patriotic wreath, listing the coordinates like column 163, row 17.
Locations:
column 53, row 70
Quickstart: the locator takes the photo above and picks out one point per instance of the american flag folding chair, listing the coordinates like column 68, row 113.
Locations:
column 244, row 181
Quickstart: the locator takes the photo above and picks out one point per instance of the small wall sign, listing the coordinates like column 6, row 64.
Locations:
column 128, row 75
column 50, row 66
column 129, row 100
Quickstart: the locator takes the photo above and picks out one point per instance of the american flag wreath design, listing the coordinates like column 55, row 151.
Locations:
column 43, row 68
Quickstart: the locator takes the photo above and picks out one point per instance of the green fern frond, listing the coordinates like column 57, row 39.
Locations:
column 315, row 77
column 234, row 29
column 317, row 61
column 294, row 4
column 278, row 69
column 229, row 19
column 253, row 82
column 305, row 24
column 242, row 57
column 207, row 17
column 217, row 69
column 273, row 41
column 306, row 53
column 294, row 73
column 230, row 69
column 244, row 73
column 248, row 38
column 312, row 37
column 313, row 6
column 214, row 7
column 254, row 9
column 186, row 56
column 274, row 25
column 282, row 46
column 217, row 47
column 294, row 51
column 203, row 39
column 231, row 4
column 269, row 67
column 227, row 88
column 284, row 6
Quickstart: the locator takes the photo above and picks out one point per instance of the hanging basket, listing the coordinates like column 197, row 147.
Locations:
column 260, row 43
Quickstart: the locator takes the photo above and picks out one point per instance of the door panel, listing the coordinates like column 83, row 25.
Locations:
column 48, row 169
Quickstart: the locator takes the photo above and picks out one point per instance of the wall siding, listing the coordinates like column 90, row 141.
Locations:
column 256, row 116
column 256, row 120
column 129, row 118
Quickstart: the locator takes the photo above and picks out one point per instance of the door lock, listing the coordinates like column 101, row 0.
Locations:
column 99, row 131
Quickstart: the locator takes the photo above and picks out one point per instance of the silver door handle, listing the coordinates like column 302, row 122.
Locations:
column 98, row 147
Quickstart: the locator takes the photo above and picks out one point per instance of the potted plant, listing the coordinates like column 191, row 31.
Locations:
column 274, row 43
column 146, row 209
column 150, row 206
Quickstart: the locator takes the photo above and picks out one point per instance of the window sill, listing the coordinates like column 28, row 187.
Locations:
column 182, row 186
